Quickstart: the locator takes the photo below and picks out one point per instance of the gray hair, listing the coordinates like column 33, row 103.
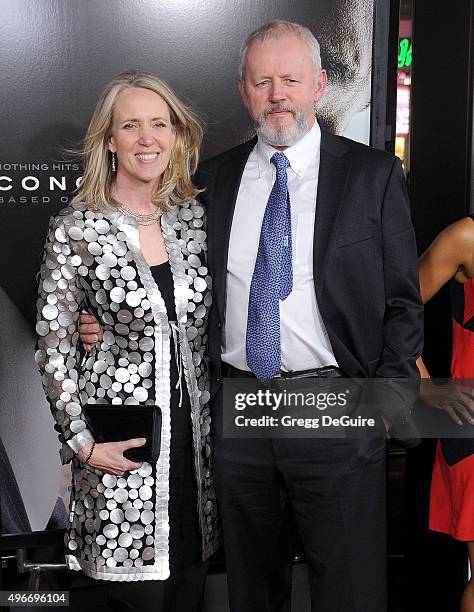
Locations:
column 280, row 29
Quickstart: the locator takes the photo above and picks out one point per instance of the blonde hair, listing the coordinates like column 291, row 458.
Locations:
column 176, row 186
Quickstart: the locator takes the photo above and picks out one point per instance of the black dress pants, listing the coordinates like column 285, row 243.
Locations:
column 336, row 488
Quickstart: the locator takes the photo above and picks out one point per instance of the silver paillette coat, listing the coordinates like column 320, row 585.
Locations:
column 119, row 527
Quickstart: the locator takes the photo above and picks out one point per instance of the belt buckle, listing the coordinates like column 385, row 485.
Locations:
column 314, row 373
column 295, row 376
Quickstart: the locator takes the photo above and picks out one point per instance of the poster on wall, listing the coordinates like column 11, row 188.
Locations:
column 58, row 56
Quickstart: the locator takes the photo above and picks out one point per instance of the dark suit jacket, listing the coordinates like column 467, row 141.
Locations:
column 365, row 259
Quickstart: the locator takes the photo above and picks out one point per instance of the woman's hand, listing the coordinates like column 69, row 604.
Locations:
column 455, row 399
column 109, row 458
column 90, row 332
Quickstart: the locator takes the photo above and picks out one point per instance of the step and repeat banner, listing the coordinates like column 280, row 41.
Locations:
column 56, row 57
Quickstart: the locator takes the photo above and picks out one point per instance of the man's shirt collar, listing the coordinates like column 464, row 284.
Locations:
column 300, row 155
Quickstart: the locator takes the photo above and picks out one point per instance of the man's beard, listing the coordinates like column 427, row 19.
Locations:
column 281, row 136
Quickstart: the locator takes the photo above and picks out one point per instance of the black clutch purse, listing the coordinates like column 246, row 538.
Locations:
column 119, row 422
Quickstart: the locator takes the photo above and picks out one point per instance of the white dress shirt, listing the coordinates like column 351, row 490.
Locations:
column 304, row 340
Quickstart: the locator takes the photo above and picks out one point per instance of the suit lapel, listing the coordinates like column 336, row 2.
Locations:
column 334, row 171
column 227, row 185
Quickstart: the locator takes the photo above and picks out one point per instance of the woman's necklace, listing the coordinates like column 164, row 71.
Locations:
column 141, row 219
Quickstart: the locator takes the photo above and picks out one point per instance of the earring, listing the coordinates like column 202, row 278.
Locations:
column 170, row 165
column 114, row 167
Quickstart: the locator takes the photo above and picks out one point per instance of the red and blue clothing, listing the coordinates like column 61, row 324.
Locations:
column 452, row 485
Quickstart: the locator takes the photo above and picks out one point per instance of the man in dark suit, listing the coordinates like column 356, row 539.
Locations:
column 351, row 307
column 315, row 271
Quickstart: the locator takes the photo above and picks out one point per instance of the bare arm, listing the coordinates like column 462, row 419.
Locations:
column 450, row 255
column 421, row 366
column 451, row 251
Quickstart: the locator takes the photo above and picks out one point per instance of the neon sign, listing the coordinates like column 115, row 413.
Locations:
column 405, row 53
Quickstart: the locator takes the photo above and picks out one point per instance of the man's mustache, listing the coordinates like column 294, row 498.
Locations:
column 278, row 106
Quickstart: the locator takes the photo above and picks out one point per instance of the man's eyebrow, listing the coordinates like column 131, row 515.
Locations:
column 288, row 75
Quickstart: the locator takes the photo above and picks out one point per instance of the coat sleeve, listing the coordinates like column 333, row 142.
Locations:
column 403, row 321
column 403, row 318
column 60, row 297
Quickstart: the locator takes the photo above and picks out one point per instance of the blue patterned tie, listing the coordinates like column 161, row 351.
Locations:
column 272, row 278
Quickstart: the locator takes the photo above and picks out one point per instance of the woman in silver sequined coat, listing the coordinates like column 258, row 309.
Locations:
column 134, row 212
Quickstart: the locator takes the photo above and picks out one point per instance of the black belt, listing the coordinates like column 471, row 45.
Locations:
column 228, row 371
